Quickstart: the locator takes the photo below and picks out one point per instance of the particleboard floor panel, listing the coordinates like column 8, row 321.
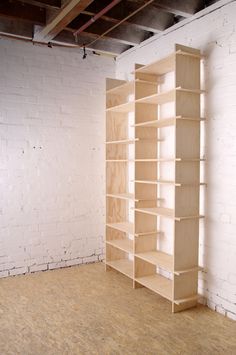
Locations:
column 79, row 311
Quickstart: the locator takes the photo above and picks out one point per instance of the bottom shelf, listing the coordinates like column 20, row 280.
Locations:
column 158, row 284
column 125, row 266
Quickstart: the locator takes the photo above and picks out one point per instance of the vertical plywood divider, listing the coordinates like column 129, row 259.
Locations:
column 187, row 146
column 116, row 172
column 145, row 148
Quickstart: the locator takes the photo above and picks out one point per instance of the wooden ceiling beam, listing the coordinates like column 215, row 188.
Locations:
column 60, row 20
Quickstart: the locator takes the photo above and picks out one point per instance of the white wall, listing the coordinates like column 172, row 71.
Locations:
column 214, row 32
column 51, row 157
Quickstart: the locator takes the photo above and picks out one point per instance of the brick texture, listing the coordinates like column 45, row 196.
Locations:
column 52, row 165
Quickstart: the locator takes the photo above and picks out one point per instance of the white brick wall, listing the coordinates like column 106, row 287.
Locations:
column 214, row 32
column 51, row 157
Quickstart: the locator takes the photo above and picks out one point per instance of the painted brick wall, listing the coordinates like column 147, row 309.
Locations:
column 214, row 32
column 51, row 157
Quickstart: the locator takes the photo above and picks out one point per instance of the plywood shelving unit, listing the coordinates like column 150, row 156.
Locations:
column 142, row 217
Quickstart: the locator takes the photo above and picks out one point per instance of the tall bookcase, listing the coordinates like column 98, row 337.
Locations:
column 153, row 127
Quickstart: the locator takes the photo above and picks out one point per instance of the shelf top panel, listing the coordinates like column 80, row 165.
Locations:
column 126, row 107
column 125, row 266
column 126, row 227
column 123, row 196
column 166, row 122
column 164, row 97
column 157, row 211
column 123, row 244
column 158, row 258
column 166, row 212
column 123, row 141
column 158, row 284
column 128, row 87
column 165, row 65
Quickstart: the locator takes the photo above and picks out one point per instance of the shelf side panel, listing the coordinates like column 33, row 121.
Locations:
column 116, row 126
column 187, row 142
column 186, row 201
column 187, row 72
column 187, row 104
column 145, row 243
column 143, row 268
column 116, row 210
column 185, row 286
column 113, row 83
column 116, row 178
column 113, row 234
column 186, row 244
column 145, row 223
column 113, row 253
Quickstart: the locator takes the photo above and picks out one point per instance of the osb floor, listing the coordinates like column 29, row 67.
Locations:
column 83, row 310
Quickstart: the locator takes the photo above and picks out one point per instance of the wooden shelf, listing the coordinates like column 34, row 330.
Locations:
column 166, row 122
column 165, row 97
column 165, row 65
column 165, row 212
column 141, row 234
column 156, row 182
column 158, row 284
column 158, row 99
column 123, row 141
column 126, row 107
column 126, row 227
column 123, row 89
column 159, row 67
column 158, row 258
column 157, row 211
column 129, row 196
column 118, row 160
column 187, row 299
column 168, row 182
column 164, row 160
column 128, row 87
column 125, row 266
column 123, row 244
column 123, row 196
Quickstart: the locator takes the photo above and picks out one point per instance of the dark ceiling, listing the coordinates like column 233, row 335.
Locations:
column 124, row 24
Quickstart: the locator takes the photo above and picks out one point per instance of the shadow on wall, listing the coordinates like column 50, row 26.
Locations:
column 213, row 259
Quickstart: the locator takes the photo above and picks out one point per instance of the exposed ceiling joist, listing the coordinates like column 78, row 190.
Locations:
column 57, row 23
